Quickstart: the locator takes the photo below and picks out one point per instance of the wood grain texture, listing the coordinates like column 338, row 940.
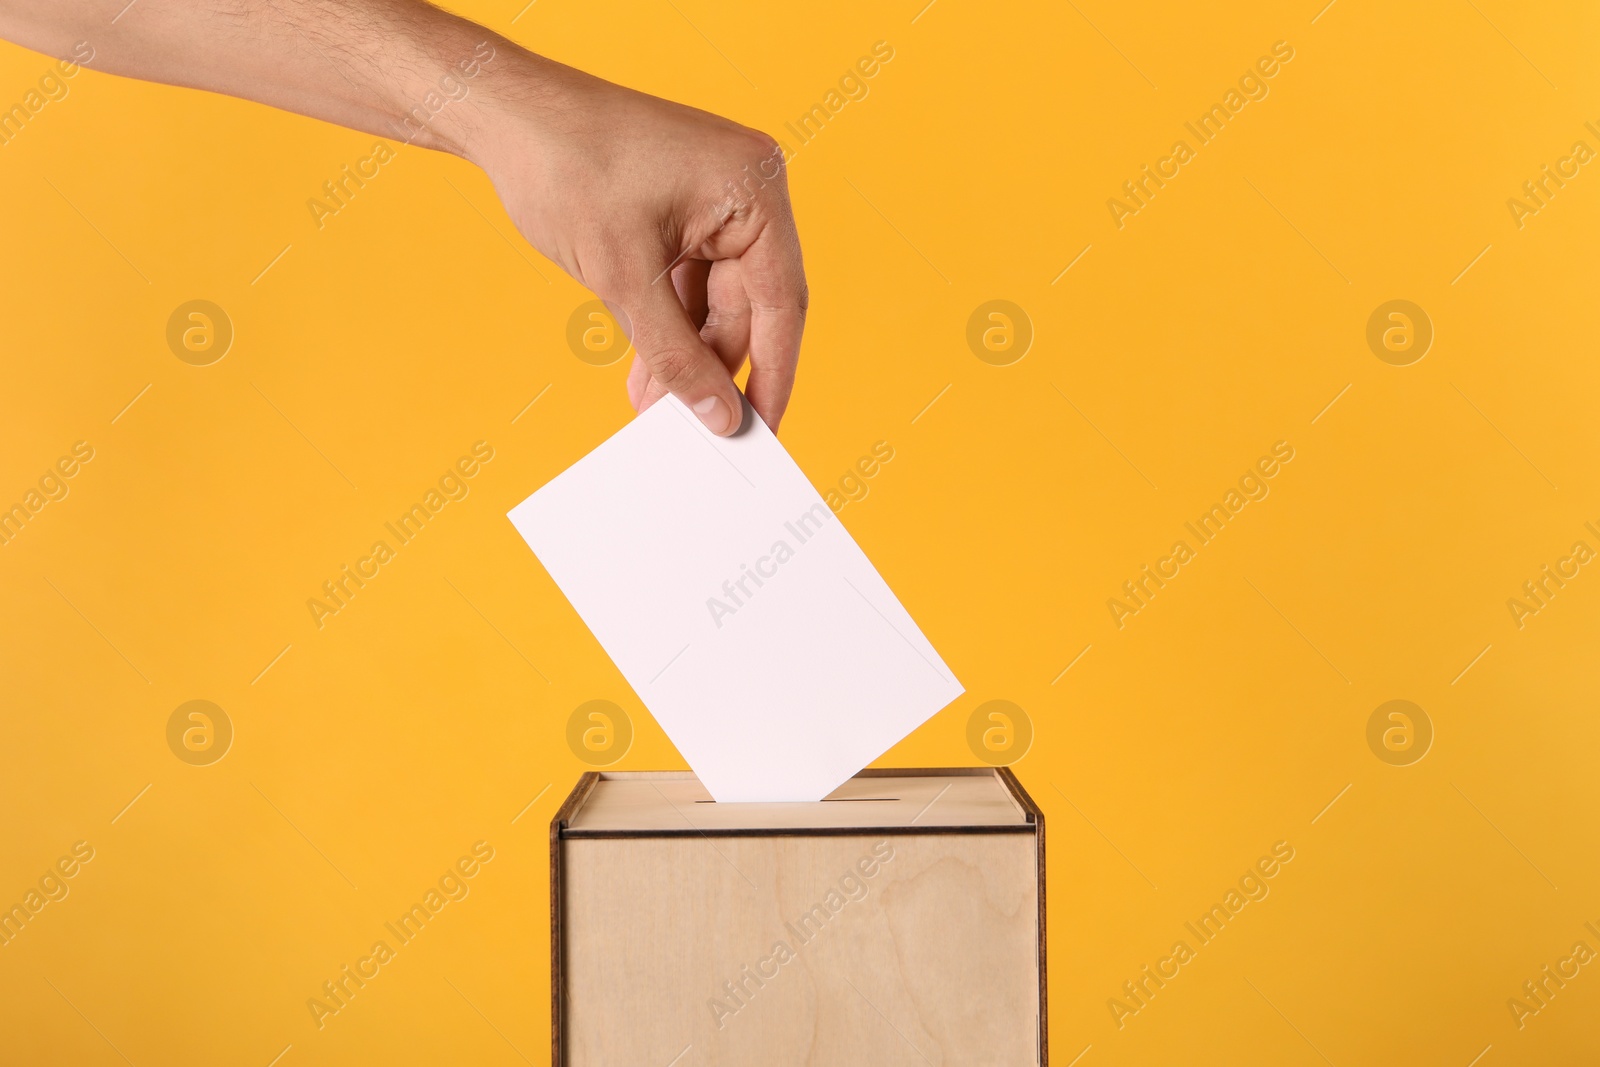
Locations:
column 1035, row 815
column 672, row 943
column 651, row 803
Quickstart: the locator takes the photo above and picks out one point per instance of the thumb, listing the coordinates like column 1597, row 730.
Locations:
column 680, row 361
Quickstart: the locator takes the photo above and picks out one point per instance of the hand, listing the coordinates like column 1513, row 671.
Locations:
column 677, row 219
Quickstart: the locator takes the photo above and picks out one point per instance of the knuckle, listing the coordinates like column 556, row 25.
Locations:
column 672, row 367
column 798, row 304
column 764, row 156
column 762, row 145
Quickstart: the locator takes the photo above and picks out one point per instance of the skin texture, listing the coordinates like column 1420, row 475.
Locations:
column 678, row 219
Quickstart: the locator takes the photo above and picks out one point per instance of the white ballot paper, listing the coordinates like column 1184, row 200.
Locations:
column 743, row 614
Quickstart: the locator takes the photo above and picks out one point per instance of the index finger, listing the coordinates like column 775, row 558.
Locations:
column 775, row 282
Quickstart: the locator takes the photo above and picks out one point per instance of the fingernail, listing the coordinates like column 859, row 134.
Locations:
column 714, row 413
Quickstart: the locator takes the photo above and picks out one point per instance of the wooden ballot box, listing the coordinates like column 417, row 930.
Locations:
column 899, row 921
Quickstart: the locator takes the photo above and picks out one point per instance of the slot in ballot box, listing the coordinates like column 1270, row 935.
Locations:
column 907, row 908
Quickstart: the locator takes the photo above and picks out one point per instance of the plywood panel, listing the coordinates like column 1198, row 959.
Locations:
column 654, row 802
column 801, row 950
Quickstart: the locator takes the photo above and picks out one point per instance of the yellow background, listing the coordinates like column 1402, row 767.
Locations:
column 1224, row 717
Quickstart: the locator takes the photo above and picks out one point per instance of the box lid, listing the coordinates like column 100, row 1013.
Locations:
column 663, row 803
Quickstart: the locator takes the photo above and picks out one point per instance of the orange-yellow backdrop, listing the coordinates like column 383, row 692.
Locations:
column 1227, row 314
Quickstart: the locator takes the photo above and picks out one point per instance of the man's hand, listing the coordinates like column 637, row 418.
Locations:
column 677, row 219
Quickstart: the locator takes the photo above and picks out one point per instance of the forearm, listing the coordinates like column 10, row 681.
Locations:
column 619, row 188
column 400, row 69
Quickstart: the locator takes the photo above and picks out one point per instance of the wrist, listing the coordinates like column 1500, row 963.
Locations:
column 438, row 104
column 514, row 108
